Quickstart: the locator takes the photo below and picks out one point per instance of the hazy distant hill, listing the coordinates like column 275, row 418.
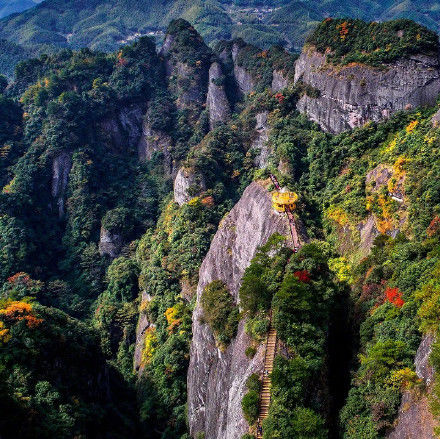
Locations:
column 106, row 24
column 8, row 7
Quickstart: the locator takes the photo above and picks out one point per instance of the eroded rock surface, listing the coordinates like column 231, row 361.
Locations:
column 216, row 379
column 153, row 141
column 354, row 94
column 261, row 139
column 187, row 185
column 61, row 166
column 217, row 102
column 279, row 80
column 142, row 326
column 415, row 420
column 110, row 243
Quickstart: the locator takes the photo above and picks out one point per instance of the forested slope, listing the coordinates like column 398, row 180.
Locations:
column 118, row 172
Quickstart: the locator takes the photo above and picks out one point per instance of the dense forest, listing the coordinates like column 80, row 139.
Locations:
column 92, row 239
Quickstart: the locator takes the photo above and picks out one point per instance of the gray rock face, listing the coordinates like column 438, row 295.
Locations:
column 110, row 243
column 187, row 185
column 216, row 379
column 242, row 77
column 217, row 101
column 415, row 419
column 61, row 166
column 131, row 122
column 352, row 95
column 423, row 369
column 152, row 141
column 436, row 119
column 261, row 139
column 279, row 80
column 123, row 130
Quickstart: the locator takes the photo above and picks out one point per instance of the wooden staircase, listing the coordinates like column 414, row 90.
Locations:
column 269, row 357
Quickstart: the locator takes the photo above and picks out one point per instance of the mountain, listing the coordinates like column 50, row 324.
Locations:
column 142, row 264
column 8, row 7
column 106, row 24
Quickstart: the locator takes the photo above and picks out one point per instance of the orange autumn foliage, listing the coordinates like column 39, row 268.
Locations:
column 17, row 311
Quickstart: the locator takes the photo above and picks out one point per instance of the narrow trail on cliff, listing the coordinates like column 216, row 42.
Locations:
column 271, row 342
column 271, row 347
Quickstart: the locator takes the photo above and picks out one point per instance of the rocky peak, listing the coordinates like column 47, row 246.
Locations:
column 217, row 102
column 353, row 94
column 155, row 141
column 187, row 60
column 415, row 419
column 279, row 80
column 261, row 139
column 110, row 243
column 187, row 185
column 217, row 379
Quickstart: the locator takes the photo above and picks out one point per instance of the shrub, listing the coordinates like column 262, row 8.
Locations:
column 250, row 406
column 220, row 311
column 250, row 351
column 372, row 43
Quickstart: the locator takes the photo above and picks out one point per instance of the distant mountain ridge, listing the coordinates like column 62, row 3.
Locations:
column 107, row 24
column 8, row 7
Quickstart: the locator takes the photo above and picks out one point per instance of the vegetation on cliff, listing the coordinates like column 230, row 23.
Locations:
column 68, row 328
column 355, row 41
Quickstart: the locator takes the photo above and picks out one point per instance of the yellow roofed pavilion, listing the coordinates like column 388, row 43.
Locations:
column 283, row 201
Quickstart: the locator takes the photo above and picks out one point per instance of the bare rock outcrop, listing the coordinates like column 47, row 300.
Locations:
column 187, row 185
column 61, row 166
column 217, row 102
column 110, row 243
column 123, row 129
column 153, row 141
column 351, row 95
column 187, row 75
column 415, row 419
column 279, row 80
column 242, row 77
column 260, row 141
column 217, row 379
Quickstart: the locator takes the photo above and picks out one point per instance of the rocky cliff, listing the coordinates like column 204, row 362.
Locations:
column 415, row 419
column 217, row 101
column 187, row 184
column 61, row 166
column 217, row 379
column 351, row 95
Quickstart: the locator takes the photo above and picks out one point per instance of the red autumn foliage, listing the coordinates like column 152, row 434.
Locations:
column 280, row 98
column 394, row 296
column 20, row 277
column 434, row 227
column 302, row 276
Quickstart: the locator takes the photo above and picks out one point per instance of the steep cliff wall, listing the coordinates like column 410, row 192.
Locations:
column 354, row 94
column 415, row 419
column 217, row 101
column 61, row 166
column 187, row 184
column 216, row 379
column 261, row 139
